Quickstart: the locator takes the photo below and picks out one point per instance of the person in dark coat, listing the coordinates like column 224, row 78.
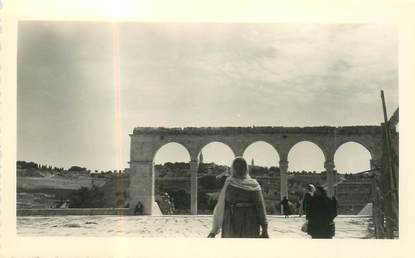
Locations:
column 240, row 210
column 138, row 209
column 307, row 199
column 322, row 212
column 286, row 206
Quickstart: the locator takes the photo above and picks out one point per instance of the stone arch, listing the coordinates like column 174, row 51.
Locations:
column 146, row 141
column 266, row 144
column 168, row 143
column 356, row 143
column 360, row 142
column 215, row 142
column 160, row 186
column 319, row 146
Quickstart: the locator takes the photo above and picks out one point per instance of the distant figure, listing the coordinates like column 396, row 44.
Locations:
column 240, row 210
column 164, row 203
column 64, row 205
column 138, row 210
column 322, row 212
column 172, row 205
column 310, row 189
column 286, row 207
column 299, row 208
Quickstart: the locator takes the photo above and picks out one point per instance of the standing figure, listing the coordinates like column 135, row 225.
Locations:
column 240, row 210
column 286, row 207
column 322, row 212
column 138, row 209
column 307, row 199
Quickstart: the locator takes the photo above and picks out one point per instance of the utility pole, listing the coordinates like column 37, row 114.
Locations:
column 391, row 195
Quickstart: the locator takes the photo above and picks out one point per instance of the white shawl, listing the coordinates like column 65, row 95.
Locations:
column 246, row 183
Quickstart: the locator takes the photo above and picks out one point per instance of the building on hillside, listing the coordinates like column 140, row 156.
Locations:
column 353, row 194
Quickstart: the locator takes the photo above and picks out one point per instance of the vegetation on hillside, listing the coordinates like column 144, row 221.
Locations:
column 109, row 189
column 87, row 198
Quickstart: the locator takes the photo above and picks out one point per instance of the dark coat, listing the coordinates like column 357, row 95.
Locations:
column 322, row 212
column 306, row 204
column 244, row 213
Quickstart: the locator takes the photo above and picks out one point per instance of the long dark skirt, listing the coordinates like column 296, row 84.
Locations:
column 323, row 210
column 244, row 213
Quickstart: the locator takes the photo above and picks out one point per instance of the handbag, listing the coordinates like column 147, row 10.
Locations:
column 304, row 227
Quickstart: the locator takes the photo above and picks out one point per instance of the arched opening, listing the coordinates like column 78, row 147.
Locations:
column 306, row 156
column 305, row 166
column 353, row 189
column 352, row 157
column 218, row 153
column 263, row 160
column 172, row 179
column 215, row 159
column 172, row 151
column 262, row 154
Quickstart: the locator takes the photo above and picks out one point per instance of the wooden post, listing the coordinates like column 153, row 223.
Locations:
column 377, row 216
column 391, row 195
column 388, row 145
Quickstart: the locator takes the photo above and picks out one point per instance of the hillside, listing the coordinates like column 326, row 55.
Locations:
column 46, row 187
column 40, row 188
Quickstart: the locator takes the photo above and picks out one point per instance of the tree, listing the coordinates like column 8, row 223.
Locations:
column 87, row 198
column 181, row 199
column 27, row 165
column 209, row 182
column 76, row 168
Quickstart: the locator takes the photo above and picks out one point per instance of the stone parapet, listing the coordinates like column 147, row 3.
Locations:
column 342, row 130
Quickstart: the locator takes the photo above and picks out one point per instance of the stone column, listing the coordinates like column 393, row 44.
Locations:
column 141, row 186
column 238, row 151
column 283, row 179
column 372, row 164
column 329, row 166
column 193, row 186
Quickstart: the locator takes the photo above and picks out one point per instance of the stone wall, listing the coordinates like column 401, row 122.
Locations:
column 369, row 129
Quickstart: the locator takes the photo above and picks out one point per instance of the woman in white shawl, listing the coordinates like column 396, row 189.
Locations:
column 240, row 210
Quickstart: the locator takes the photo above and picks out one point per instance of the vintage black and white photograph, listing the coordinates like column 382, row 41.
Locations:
column 207, row 130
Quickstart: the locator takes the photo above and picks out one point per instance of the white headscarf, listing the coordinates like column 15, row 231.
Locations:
column 247, row 183
column 312, row 189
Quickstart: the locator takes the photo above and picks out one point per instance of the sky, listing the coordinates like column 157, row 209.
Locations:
column 84, row 86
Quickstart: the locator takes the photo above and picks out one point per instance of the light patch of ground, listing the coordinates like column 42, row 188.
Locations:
column 55, row 182
column 172, row 226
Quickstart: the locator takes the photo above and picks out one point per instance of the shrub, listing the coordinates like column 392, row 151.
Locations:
column 87, row 198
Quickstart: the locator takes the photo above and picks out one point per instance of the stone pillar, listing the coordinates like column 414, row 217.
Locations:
column 142, row 186
column 372, row 164
column 193, row 186
column 283, row 179
column 329, row 166
column 238, row 152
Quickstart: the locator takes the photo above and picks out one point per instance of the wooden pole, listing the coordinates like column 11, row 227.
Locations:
column 392, row 193
column 388, row 143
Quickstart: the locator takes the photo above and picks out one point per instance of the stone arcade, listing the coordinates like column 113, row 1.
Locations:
column 146, row 141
